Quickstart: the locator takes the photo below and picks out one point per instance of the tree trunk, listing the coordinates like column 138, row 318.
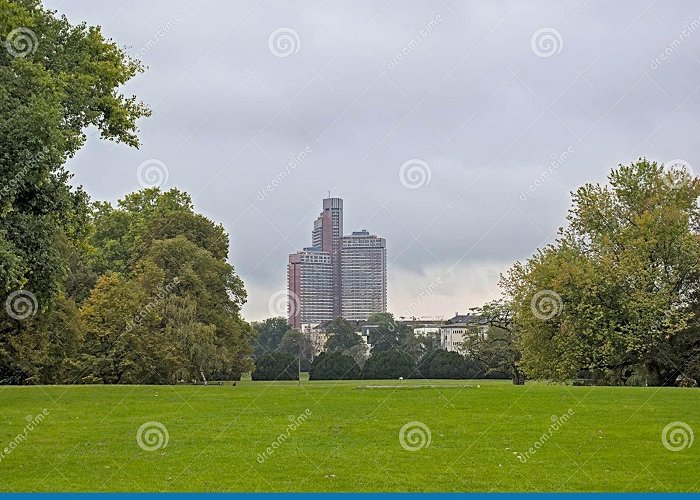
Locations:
column 518, row 376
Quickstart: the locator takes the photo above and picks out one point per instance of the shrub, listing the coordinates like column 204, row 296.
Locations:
column 334, row 366
column 441, row 364
column 388, row 365
column 276, row 366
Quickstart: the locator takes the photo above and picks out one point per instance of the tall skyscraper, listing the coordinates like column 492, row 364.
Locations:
column 328, row 229
column 363, row 275
column 339, row 275
column 310, row 287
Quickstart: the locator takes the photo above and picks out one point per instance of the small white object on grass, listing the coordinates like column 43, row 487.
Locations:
column 400, row 378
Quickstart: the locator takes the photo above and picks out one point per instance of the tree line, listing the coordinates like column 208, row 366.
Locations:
column 140, row 292
column 397, row 352
column 614, row 300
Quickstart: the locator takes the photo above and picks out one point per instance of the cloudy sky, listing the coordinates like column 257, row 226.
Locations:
column 437, row 122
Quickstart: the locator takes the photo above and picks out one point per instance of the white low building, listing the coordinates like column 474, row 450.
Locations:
column 456, row 331
column 317, row 338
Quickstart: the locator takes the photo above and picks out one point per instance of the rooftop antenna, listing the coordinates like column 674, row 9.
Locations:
column 329, row 193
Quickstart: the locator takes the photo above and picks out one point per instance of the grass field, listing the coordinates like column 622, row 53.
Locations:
column 345, row 437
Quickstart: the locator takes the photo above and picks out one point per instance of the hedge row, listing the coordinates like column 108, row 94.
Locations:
column 437, row 364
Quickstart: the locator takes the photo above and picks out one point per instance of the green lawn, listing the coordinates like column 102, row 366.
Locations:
column 217, row 436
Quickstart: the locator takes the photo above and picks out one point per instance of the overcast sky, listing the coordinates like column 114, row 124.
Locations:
column 472, row 99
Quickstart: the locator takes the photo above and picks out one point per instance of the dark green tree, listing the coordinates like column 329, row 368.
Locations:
column 298, row 345
column 615, row 288
column 334, row 366
column 268, row 335
column 342, row 336
column 388, row 334
column 388, row 365
column 64, row 79
column 276, row 366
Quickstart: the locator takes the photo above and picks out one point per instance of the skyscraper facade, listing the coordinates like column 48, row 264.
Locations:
column 317, row 277
column 328, row 229
column 310, row 287
column 363, row 275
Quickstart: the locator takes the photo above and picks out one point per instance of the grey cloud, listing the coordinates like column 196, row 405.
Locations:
column 471, row 99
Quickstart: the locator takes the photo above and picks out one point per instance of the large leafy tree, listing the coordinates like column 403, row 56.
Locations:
column 388, row 365
column 388, row 334
column 268, row 335
column 55, row 80
column 342, row 335
column 497, row 351
column 176, row 310
column 616, row 288
column 298, row 345
column 334, row 366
